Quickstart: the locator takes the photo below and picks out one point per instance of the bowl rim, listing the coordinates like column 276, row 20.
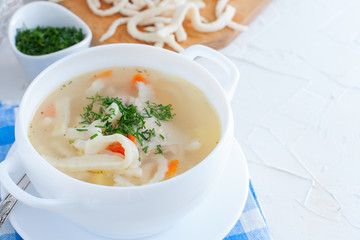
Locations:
column 228, row 129
column 38, row 4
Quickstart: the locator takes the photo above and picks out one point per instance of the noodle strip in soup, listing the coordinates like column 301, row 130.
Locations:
column 125, row 126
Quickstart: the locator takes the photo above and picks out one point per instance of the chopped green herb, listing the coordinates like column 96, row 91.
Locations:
column 146, row 135
column 158, row 123
column 71, row 141
column 145, row 149
column 45, row 40
column 159, row 150
column 93, row 136
column 139, row 159
column 131, row 121
column 82, row 129
column 147, row 113
column 160, row 111
column 162, row 136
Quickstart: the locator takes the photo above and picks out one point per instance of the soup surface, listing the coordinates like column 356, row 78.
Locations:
column 125, row 126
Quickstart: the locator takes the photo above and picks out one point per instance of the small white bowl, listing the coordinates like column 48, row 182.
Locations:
column 45, row 14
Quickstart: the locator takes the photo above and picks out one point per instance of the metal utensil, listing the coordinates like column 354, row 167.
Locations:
column 8, row 203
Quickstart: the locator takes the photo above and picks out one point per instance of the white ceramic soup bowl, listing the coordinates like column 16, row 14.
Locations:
column 123, row 212
column 44, row 14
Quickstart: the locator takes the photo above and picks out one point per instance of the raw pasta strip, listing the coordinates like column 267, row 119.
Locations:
column 94, row 5
column 181, row 34
column 112, row 29
column 220, row 6
column 170, row 40
column 138, row 18
column 151, row 13
column 150, row 21
column 181, row 12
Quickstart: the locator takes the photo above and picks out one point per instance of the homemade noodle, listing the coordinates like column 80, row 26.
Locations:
column 162, row 20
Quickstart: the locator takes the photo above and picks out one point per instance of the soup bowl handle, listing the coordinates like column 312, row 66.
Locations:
column 12, row 164
column 229, row 76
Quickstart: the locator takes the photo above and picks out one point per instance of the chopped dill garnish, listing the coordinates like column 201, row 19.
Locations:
column 45, row 40
column 131, row 122
column 160, row 111
column 158, row 123
column 162, row 136
column 93, row 136
column 159, row 150
column 82, row 129
column 145, row 149
column 139, row 159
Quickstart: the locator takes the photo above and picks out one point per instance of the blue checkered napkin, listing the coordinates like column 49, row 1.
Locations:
column 7, row 122
column 251, row 225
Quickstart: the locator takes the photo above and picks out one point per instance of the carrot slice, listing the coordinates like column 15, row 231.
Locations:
column 138, row 78
column 116, row 147
column 50, row 111
column 131, row 137
column 172, row 166
column 104, row 74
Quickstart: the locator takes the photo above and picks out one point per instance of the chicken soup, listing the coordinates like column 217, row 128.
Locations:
column 125, row 126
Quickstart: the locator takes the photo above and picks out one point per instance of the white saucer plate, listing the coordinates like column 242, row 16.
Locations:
column 213, row 219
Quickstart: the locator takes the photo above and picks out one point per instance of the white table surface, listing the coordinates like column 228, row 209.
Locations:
column 297, row 114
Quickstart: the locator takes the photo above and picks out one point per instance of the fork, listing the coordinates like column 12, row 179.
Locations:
column 8, row 203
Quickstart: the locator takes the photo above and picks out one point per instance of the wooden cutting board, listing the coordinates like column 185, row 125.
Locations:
column 247, row 10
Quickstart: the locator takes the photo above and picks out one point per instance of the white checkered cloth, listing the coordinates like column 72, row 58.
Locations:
column 250, row 226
